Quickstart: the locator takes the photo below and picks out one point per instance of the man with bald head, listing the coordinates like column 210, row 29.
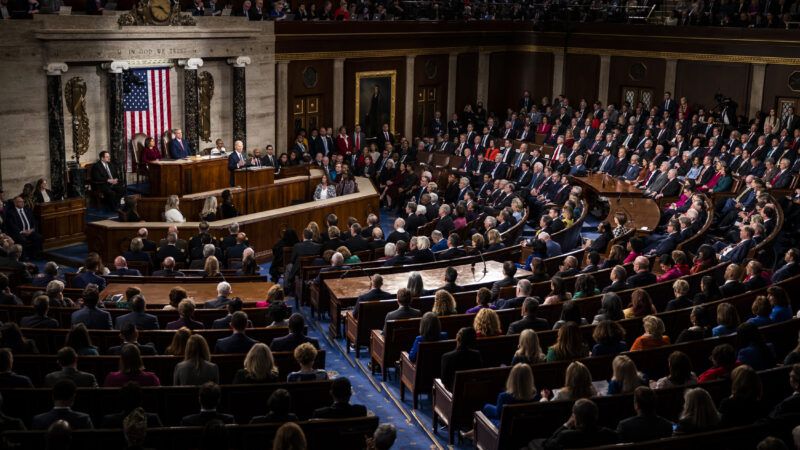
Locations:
column 168, row 270
column 121, row 268
column 236, row 160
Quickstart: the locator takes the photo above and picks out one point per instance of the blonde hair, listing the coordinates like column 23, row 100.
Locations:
column 305, row 354
column 680, row 287
column 259, row 363
column 196, row 350
column 275, row 293
column 209, row 206
column 314, row 227
column 625, row 373
column 487, row 323
column 578, row 381
column 423, row 243
column 494, row 236
column 653, row 326
column 172, row 202
column 211, row 267
column 443, row 303
column 520, row 382
column 529, row 347
column 699, row 409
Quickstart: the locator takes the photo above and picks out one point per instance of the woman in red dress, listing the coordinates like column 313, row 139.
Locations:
column 151, row 152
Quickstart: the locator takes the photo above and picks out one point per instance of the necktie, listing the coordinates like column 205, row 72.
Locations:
column 358, row 141
column 386, row 135
column 108, row 171
column 325, row 145
column 25, row 224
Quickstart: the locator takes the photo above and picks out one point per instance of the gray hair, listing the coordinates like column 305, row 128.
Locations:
column 234, row 227
column 209, row 250
column 337, row 259
column 389, row 249
column 54, row 287
column 223, row 288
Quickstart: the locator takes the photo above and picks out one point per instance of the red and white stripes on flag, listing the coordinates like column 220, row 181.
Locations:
column 147, row 103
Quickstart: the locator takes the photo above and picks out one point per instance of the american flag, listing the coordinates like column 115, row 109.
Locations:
column 147, row 105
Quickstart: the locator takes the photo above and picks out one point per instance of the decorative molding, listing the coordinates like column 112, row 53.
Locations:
column 116, row 66
column 191, row 63
column 56, row 69
column 239, row 61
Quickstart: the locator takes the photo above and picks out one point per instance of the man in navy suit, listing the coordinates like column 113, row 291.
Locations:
column 63, row 398
column 21, row 227
column 738, row 252
column 121, row 268
column 296, row 336
column 178, row 148
column 790, row 269
column 130, row 336
column 89, row 276
column 341, row 391
column 209, row 401
column 579, row 169
column 376, row 293
column 137, row 316
column 236, row 160
column 89, row 315
column 238, row 342
column 668, row 244
column 223, row 296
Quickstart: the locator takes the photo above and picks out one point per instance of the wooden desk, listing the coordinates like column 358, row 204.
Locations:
column 643, row 213
column 61, row 223
column 344, row 291
column 110, row 238
column 187, row 176
column 254, row 176
column 158, row 294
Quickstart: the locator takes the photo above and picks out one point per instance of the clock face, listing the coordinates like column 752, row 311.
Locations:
column 160, row 9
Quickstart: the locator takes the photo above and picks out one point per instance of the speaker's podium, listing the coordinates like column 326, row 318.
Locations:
column 249, row 177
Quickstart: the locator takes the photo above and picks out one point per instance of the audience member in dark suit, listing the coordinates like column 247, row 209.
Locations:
column 296, row 336
column 130, row 398
column 223, row 296
column 464, row 357
column 130, row 335
column 186, row 309
column 790, row 269
column 404, row 310
column 68, row 360
column 452, row 251
column 168, row 270
column 121, row 268
column 209, row 401
column 529, row 319
column 581, row 430
column 732, row 286
column 171, row 249
column 104, row 179
column 39, row 319
column 789, row 408
column 49, row 274
column 224, row 323
column 137, row 316
column 646, row 425
column 89, row 315
column 306, row 248
column 9, row 379
column 238, row 342
column 280, row 405
column 341, row 408
column 63, row 398
column 509, row 270
column 8, row 423
column 376, row 293
column 642, row 275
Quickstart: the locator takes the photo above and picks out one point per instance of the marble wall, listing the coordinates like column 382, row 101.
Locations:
column 85, row 43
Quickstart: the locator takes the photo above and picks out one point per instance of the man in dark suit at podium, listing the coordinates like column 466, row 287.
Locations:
column 236, row 160
column 104, row 179
column 179, row 148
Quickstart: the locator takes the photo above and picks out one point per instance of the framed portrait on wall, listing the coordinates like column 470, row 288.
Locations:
column 375, row 100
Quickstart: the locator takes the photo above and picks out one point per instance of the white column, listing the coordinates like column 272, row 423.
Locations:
column 56, row 69
column 338, row 92
column 483, row 78
column 558, row 72
column 605, row 69
column 756, row 89
column 669, row 77
column 408, row 113
column 189, row 64
column 282, row 110
column 452, row 76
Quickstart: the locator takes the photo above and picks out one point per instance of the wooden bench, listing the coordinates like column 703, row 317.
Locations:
column 37, row 366
column 347, row 433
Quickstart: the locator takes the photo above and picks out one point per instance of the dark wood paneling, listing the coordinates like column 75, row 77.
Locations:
column 323, row 89
column 466, row 80
column 513, row 72
column 731, row 80
column 776, row 84
column 351, row 67
column 431, row 71
column 619, row 76
column 579, row 72
column 61, row 223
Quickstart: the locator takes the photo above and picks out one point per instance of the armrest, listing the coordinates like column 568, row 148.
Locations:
column 487, row 436
column 407, row 367
column 377, row 336
column 440, row 389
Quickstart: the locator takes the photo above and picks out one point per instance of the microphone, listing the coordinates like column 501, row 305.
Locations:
column 485, row 270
